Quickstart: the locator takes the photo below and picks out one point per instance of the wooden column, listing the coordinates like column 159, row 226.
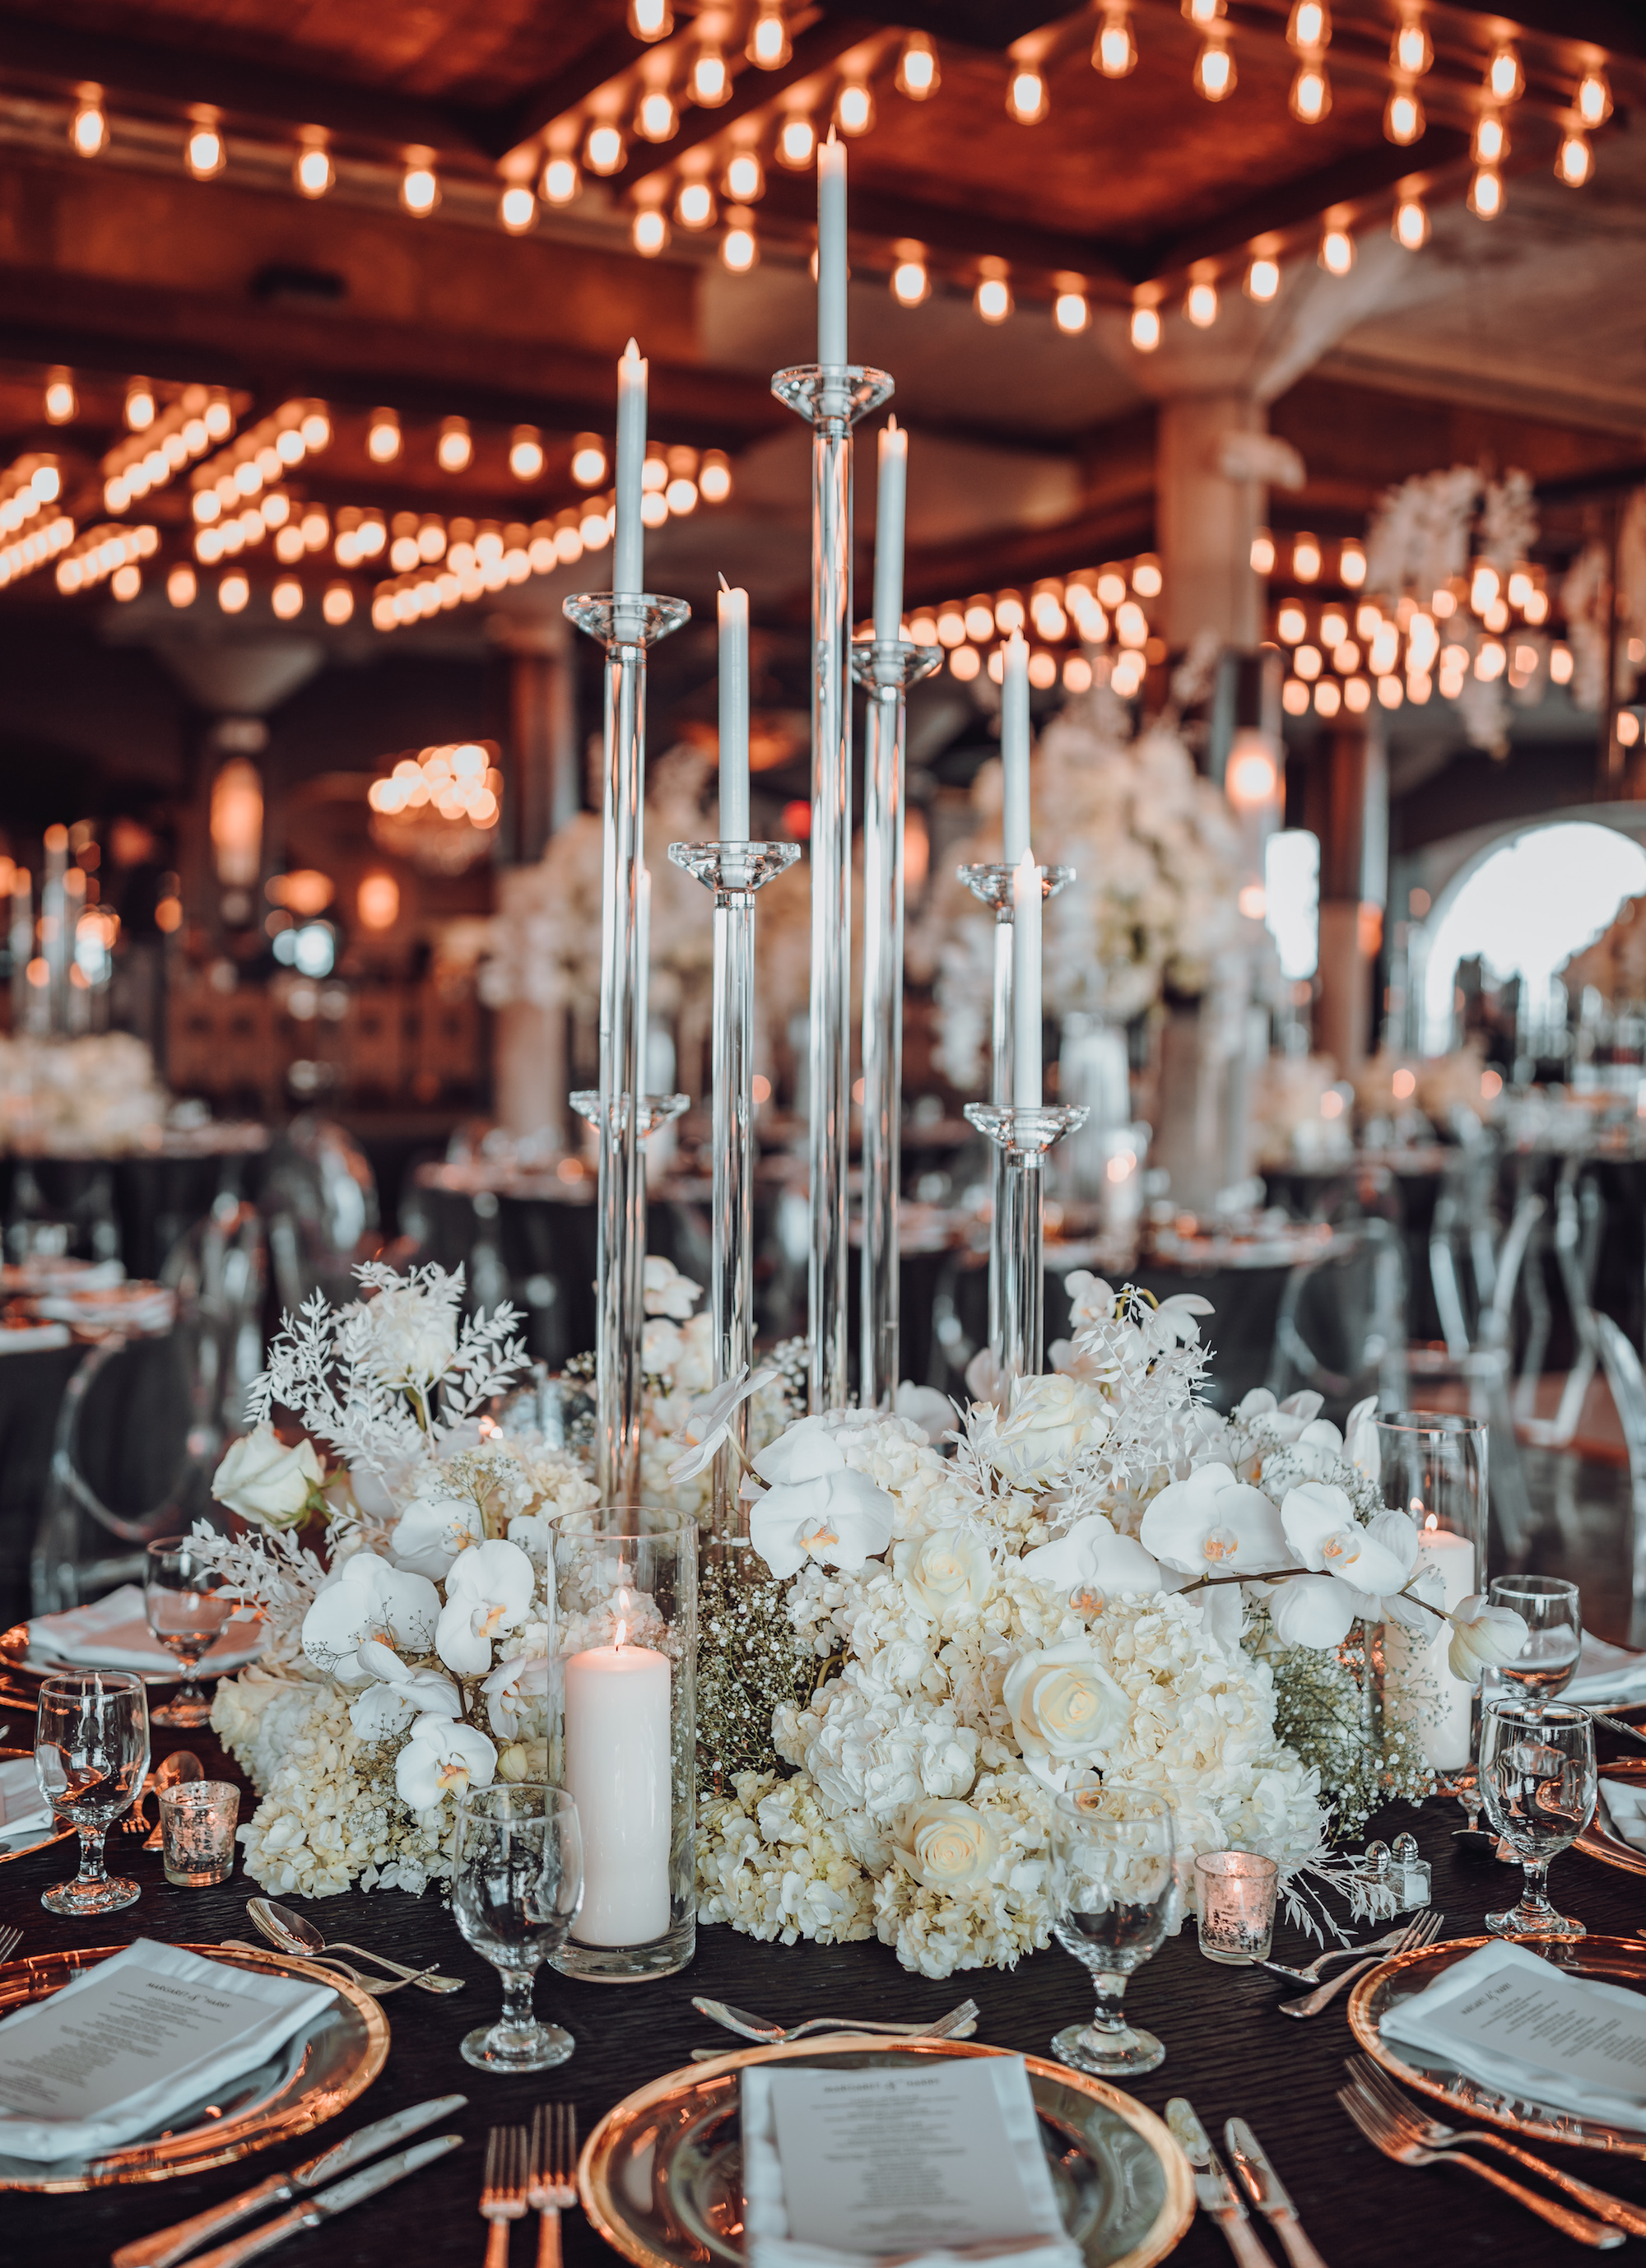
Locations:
column 1346, row 803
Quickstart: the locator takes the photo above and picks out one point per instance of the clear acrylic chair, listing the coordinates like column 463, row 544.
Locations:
column 1628, row 1382
column 1342, row 1326
column 318, row 1199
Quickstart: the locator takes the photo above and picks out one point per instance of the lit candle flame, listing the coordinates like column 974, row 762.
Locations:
column 621, row 1633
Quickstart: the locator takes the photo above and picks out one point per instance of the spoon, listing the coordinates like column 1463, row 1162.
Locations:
column 181, row 1764
column 377, row 1986
column 293, row 1934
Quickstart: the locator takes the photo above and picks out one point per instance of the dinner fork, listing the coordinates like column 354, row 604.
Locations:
column 1414, row 2121
column 10, row 1938
column 1310, row 1974
column 1419, row 1934
column 1384, row 2135
column 770, row 2034
column 503, row 2190
column 551, row 2174
column 958, row 2024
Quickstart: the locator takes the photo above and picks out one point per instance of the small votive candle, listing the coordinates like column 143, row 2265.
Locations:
column 197, row 1822
column 1234, row 1895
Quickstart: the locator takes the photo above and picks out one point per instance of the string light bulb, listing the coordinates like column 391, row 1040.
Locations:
column 797, row 143
column 602, row 148
column 1575, row 160
column 740, row 247
column 383, row 436
column 769, row 46
column 918, row 76
column 203, row 153
column 1411, row 51
column 1505, row 80
column 312, row 171
column 1263, row 279
column 589, row 460
column 1145, row 329
column 745, row 178
column 657, row 120
column 1486, row 193
column 992, row 297
column 1026, row 97
column 649, row 231
column 1411, row 224
column 711, row 81
column 1490, row 145
column 62, row 404
column 1310, row 27
column 1403, row 120
column 88, row 127
column 139, row 405
column 1262, row 553
column 1311, row 96
column 526, row 453
column 517, row 209
column 1593, row 103
column 854, row 107
column 1203, row 12
column 454, row 450
column 1071, row 311
column 1114, row 51
column 1337, row 251
column 561, row 180
column 1306, row 558
column 419, row 188
column 694, row 206
column 1199, row 304
column 910, row 281
column 714, row 476
column 1352, row 564
column 180, row 585
column 1214, row 74
column 651, row 19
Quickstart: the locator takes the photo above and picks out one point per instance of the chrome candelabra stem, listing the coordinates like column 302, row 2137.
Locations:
column 992, row 884
column 625, row 626
column 732, row 871
column 831, row 399
column 886, row 671
column 1022, row 1136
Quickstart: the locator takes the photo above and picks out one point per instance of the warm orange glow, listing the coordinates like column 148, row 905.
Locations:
column 377, row 902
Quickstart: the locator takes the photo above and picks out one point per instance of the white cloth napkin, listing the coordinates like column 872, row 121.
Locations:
column 23, row 1808
column 162, row 2029
column 32, row 1338
column 1535, row 2033
column 1607, row 1675
column 1625, row 1801
column 113, row 1633
column 134, row 1307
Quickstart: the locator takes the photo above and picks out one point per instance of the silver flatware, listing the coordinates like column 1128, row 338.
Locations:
column 379, row 1987
column 1214, row 2194
column 336, row 2200
column 1415, row 2119
column 551, row 2174
column 292, row 1932
column 1384, row 2134
column 167, row 2245
column 1309, row 1973
column 10, row 1938
column 503, row 2190
column 1419, row 1934
column 958, row 2024
column 1268, row 2192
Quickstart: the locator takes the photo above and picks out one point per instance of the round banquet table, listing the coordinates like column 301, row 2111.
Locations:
column 1227, row 2049
column 143, row 1200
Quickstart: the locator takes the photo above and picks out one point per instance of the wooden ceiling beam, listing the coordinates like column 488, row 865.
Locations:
column 991, row 26
column 1116, row 528
column 604, row 59
column 974, row 235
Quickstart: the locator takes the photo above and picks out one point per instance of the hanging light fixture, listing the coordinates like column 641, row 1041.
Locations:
column 910, row 281
column 1411, row 51
column 561, row 180
column 1263, row 279
column 1337, row 251
column 1145, row 328
column 992, row 297
column 769, row 45
column 1310, row 27
column 1114, row 51
column 419, row 186
column 1411, row 224
column 694, row 206
column 1593, row 101
column 918, row 75
column 657, row 120
column 203, row 153
column 711, row 81
column 797, row 143
column 1311, row 96
column 1505, row 79
column 1026, row 97
column 312, row 173
column 88, row 127
column 855, row 107
column 1199, row 303
column 1486, row 193
column 744, row 182
column 1071, row 310
column 1403, row 120
column 740, row 247
column 603, row 150
column 1490, row 145
column 651, row 19
column 1214, row 74
column 1575, row 160
column 517, row 209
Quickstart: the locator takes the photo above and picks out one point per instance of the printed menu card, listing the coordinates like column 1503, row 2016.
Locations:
column 132, row 2040
column 940, row 2157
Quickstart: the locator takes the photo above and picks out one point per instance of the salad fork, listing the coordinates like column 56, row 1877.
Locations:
column 1309, row 1973
column 503, row 2192
column 10, row 1938
column 770, row 2035
column 1417, row 1934
column 551, row 2174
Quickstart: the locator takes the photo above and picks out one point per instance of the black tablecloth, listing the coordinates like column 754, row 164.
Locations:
column 1227, row 2049
column 132, row 1208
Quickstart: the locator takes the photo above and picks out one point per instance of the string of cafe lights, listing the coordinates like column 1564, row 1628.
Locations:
column 701, row 74
column 1095, row 609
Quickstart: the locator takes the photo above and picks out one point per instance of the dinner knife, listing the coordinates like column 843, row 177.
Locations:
column 167, row 2245
column 1213, row 2190
column 1268, row 2192
column 337, row 2199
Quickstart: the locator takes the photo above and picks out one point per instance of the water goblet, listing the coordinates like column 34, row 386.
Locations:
column 187, row 1605
column 516, row 1887
column 91, row 1752
column 1553, row 1614
column 1114, row 1897
column 1537, row 1778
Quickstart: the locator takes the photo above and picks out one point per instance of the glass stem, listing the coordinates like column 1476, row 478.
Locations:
column 92, row 1869
column 1110, row 1986
column 1535, row 1897
column 517, row 1998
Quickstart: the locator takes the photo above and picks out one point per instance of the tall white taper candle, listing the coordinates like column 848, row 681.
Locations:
column 888, row 518
column 1026, row 1033
column 734, row 607
column 1014, row 749
column 627, row 566
column 831, row 252
column 643, row 970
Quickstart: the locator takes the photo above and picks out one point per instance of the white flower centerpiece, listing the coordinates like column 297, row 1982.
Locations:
column 1096, row 1581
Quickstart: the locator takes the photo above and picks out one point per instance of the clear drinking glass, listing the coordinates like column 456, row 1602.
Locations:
column 91, row 1752
column 187, row 1606
column 516, row 1889
column 1538, row 1779
column 1235, row 1891
column 1115, row 1894
column 197, row 1820
column 1547, row 1662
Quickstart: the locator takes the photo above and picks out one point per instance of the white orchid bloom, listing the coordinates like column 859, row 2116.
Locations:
column 1483, row 1638
column 708, row 1423
column 1174, row 1322
column 368, row 1599
column 442, row 1758
column 925, row 1407
column 668, row 1292
column 432, row 1531
column 1325, row 1536
column 513, row 1690
column 489, row 1593
column 423, row 1691
column 1360, row 1438
column 381, row 1712
column 1093, row 1558
column 1313, row 1611
column 816, row 1506
column 1213, row 1524
column 1287, row 1419
column 1091, row 1300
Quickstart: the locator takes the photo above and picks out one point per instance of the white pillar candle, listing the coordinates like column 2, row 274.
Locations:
column 1014, row 746
column 893, row 466
column 627, row 570
column 1026, row 1034
column 616, row 1770
column 643, row 976
column 1418, row 1689
column 733, row 606
column 831, row 252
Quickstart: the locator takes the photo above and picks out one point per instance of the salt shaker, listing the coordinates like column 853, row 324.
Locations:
column 1409, row 1873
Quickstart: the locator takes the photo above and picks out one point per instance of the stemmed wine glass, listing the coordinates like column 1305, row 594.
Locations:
column 516, row 1888
column 1538, row 1779
column 91, row 1752
column 187, row 1605
column 1553, row 1614
column 1114, row 1897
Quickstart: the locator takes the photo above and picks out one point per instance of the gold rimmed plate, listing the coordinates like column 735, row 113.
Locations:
column 311, row 2079
column 661, row 2175
column 55, row 1833
column 27, row 1666
column 1598, row 1839
column 1610, row 1960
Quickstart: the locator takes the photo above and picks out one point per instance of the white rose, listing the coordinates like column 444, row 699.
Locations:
column 1063, row 1706
column 413, row 1337
column 946, row 1572
column 947, row 1846
column 265, row 1482
column 1050, row 1419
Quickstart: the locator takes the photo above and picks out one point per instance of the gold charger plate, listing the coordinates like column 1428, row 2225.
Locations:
column 34, row 1668
column 1612, row 1850
column 309, row 2080
column 55, row 1833
column 660, row 2176
column 1614, row 1960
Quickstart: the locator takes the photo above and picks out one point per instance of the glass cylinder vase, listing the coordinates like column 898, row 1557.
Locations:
column 623, row 1734
column 1432, row 1465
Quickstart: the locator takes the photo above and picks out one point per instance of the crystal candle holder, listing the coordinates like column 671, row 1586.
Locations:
column 621, row 1734
column 1432, row 1466
column 197, row 1822
column 1234, row 1895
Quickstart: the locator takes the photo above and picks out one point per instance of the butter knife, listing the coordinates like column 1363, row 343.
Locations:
column 1216, row 2193
column 337, row 2199
column 1268, row 2192
column 167, row 2245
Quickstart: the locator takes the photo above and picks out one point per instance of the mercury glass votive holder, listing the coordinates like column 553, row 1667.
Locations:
column 1234, row 1892
column 197, row 1822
